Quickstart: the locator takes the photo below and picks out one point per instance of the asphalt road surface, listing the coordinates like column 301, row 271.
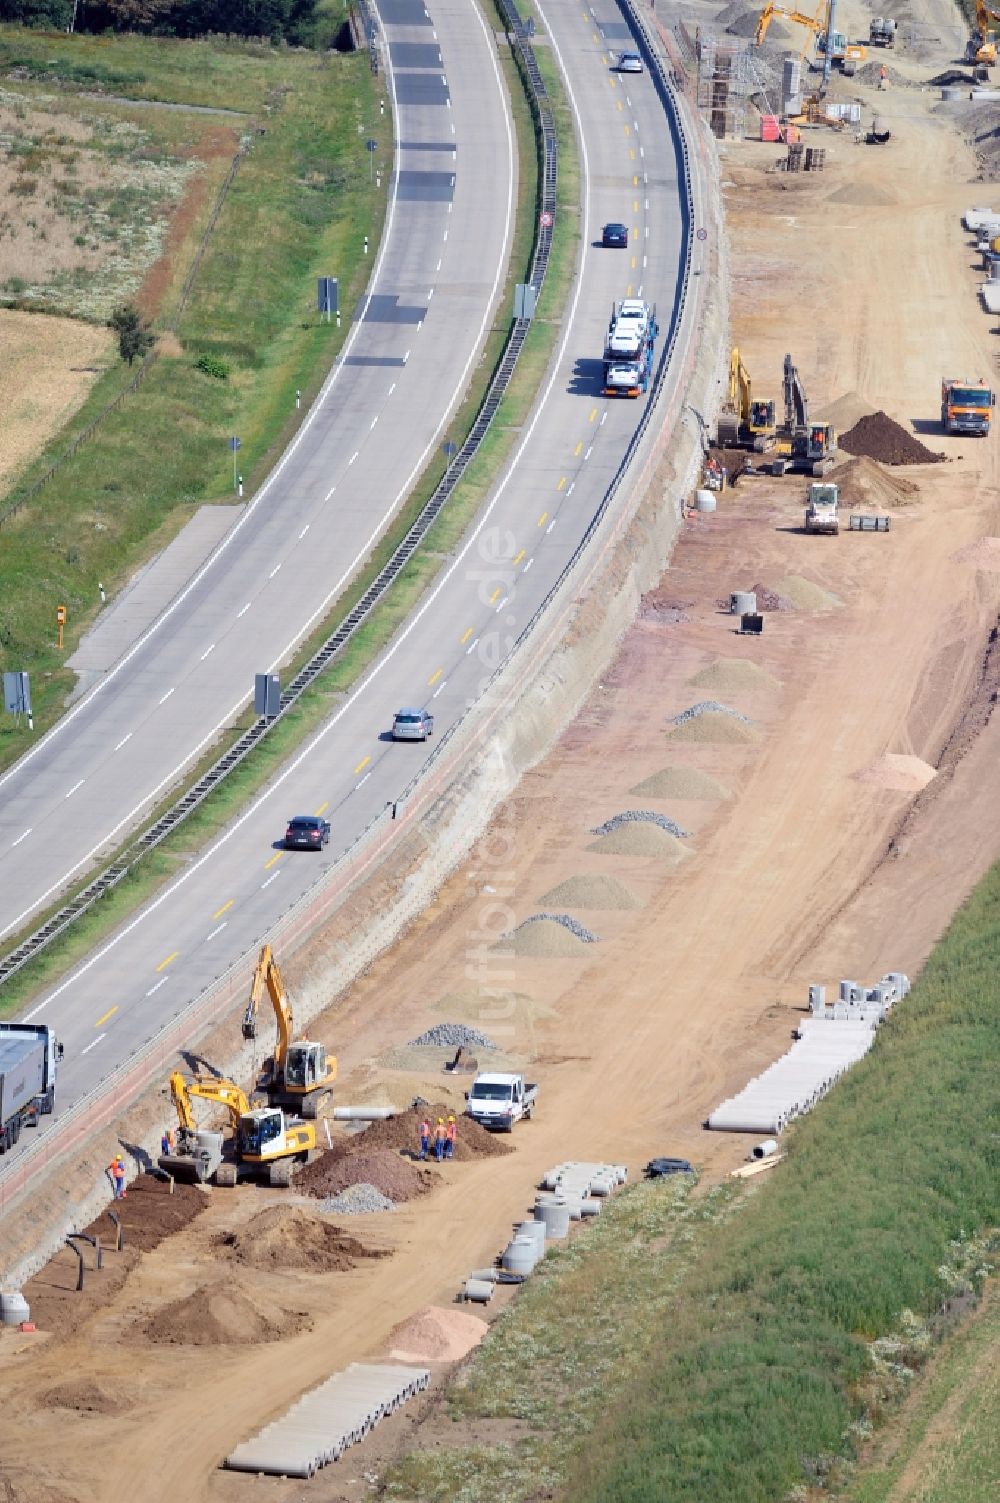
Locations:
column 406, row 364
column 524, row 535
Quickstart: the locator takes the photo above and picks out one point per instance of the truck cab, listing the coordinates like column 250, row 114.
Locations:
column 966, row 407
column 497, row 1100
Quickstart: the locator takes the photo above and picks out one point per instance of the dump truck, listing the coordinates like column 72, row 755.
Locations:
column 966, row 406
column 882, row 32
column 497, row 1100
column 29, row 1059
column 265, row 1144
column 628, row 349
column 299, row 1074
column 821, row 509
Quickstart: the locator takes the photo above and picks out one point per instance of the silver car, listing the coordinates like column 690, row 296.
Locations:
column 412, row 725
column 630, row 62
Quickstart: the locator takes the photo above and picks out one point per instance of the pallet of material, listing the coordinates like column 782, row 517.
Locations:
column 860, row 523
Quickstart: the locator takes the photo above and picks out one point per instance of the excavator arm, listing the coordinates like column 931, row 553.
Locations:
column 767, row 15
column 206, row 1088
column 268, row 977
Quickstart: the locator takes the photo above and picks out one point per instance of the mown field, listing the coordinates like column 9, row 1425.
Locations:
column 747, row 1343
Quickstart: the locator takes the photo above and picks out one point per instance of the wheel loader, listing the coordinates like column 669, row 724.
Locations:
column 264, row 1143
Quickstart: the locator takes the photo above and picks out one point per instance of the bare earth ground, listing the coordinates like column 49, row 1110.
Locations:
column 638, row 1037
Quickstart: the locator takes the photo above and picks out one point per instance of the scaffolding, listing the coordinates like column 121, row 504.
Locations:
column 730, row 81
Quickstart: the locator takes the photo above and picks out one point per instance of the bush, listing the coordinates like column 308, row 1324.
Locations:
column 211, row 365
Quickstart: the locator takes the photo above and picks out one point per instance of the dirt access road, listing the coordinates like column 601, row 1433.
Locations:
column 851, row 698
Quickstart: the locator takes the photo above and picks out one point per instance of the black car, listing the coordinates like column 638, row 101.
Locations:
column 660, row 1168
column 615, row 234
column 307, row 832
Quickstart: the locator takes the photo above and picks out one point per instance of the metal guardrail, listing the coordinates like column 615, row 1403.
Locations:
column 105, row 1101
column 71, row 912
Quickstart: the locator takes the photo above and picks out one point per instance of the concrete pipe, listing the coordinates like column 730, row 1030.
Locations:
column 485, row 1275
column 363, row 1113
column 536, row 1231
column 479, row 1291
column 555, row 1219
column 520, row 1255
column 590, row 1207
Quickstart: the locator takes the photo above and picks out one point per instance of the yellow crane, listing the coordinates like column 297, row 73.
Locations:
column 984, row 45
column 263, row 1138
column 299, row 1074
column 743, row 422
column 841, row 50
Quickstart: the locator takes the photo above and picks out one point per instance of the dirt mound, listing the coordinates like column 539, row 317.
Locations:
column 681, row 782
column 865, row 195
column 745, row 25
column 545, row 938
column 904, row 774
column 864, row 482
column 730, row 675
column 589, row 890
column 641, row 839
column 401, row 1133
column 436, row 1335
column 289, row 1237
column 805, row 595
column 770, row 600
column 879, row 437
column 713, row 727
column 846, row 410
column 88, row 1397
column 222, row 1316
column 149, row 1213
column 662, row 612
column 984, row 553
column 385, row 1168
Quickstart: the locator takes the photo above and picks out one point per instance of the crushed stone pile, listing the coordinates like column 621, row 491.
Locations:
column 358, row 1200
column 681, row 782
column 386, row 1169
column 707, row 707
column 436, row 1335
column 223, row 1316
column 454, row 1035
column 640, row 816
column 580, row 931
column 640, row 840
column 805, row 595
column 879, row 437
column 545, row 938
column 864, row 482
column 733, row 675
column 721, row 730
column 902, row 774
column 984, row 553
column 291, row 1237
column 401, row 1133
column 769, row 600
column 590, row 890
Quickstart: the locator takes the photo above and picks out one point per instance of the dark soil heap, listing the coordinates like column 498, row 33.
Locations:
column 877, row 436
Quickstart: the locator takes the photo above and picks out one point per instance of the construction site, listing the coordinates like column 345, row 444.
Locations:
column 653, row 913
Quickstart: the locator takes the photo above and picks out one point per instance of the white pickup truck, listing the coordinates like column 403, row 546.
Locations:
column 499, row 1100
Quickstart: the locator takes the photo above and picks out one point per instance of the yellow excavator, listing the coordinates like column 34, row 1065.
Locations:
column 983, row 46
column 265, row 1144
column 299, row 1074
column 743, row 422
column 843, row 53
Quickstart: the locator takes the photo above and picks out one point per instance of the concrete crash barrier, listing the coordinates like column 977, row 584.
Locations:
column 824, row 1049
column 319, row 1428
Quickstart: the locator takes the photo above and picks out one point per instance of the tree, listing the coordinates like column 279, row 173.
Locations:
column 135, row 338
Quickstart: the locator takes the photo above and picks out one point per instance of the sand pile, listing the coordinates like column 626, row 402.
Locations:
column 879, row 437
column 681, row 782
column 544, row 938
column 223, row 1316
column 88, row 1397
column 400, row 1132
column 590, row 890
column 984, row 553
column 864, row 482
column 769, row 600
column 392, row 1175
column 904, row 774
column 494, row 1005
column 436, row 1335
column 805, row 595
column 290, row 1237
column 640, row 840
column 715, row 727
column 732, row 675
column 864, row 195
column 846, row 410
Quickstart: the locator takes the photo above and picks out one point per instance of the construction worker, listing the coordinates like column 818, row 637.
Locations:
column 451, row 1133
column 167, row 1142
column 116, row 1169
column 440, row 1138
column 883, row 77
column 425, row 1138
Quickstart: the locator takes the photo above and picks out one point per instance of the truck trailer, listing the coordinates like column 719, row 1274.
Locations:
column 29, row 1057
column 628, row 349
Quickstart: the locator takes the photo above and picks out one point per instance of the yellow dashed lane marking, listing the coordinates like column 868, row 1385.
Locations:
column 164, row 963
column 438, row 671
column 362, row 765
column 109, row 1014
column 466, row 635
column 276, row 857
column 562, row 484
column 541, row 519
column 322, row 808
column 593, row 415
column 578, row 448
column 518, row 557
column 224, row 909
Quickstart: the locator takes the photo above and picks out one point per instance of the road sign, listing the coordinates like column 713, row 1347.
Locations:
column 702, row 233
column 327, row 295
column 17, row 693
column 267, row 695
column 545, row 219
column 525, row 297
column 234, row 443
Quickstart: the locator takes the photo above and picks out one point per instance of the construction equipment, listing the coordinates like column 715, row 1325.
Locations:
column 813, row 113
column 882, row 32
column 843, row 54
column 800, row 444
column 880, row 133
column 299, row 1074
column 983, row 45
column 743, row 422
column 967, row 407
column 821, row 509
column 264, row 1142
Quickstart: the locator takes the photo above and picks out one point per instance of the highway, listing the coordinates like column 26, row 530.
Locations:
column 379, row 417
column 524, row 535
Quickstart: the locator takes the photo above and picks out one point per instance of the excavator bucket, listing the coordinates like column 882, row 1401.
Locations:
column 196, row 1158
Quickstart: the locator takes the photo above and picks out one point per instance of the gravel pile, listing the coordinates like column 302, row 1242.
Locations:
column 640, row 840
column 721, row 729
column 589, row 890
column 681, row 782
column 879, row 437
column 358, row 1200
column 452, row 1036
column 574, row 926
column 640, row 816
column 544, row 938
column 805, row 595
column 707, row 707
column 731, row 675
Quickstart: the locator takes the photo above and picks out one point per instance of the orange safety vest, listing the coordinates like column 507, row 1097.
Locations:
column 452, row 1131
column 425, row 1129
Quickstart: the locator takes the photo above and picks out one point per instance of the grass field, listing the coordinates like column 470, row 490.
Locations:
column 783, row 1322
